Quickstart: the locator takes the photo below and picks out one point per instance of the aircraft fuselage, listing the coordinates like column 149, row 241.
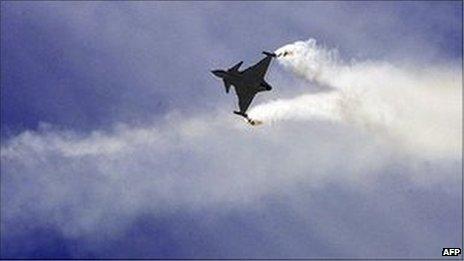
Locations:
column 250, row 83
column 247, row 83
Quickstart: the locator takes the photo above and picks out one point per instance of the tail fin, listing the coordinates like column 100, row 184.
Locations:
column 235, row 67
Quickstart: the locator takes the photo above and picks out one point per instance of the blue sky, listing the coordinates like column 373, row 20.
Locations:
column 118, row 142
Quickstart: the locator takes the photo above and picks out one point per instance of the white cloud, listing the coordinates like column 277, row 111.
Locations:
column 89, row 185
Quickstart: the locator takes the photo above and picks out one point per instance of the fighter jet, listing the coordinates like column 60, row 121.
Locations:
column 247, row 83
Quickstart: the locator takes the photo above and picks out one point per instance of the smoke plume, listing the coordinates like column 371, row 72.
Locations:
column 94, row 187
column 419, row 107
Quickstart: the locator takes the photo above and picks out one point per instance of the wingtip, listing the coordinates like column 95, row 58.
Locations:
column 270, row 54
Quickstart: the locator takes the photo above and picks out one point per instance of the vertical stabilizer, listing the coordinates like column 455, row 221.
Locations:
column 235, row 67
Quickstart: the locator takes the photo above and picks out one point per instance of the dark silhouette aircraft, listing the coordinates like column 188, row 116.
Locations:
column 247, row 83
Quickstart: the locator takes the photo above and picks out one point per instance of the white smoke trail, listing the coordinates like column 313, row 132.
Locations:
column 305, row 107
column 422, row 108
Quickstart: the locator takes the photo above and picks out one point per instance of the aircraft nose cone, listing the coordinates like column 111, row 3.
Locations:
column 216, row 72
column 219, row 73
